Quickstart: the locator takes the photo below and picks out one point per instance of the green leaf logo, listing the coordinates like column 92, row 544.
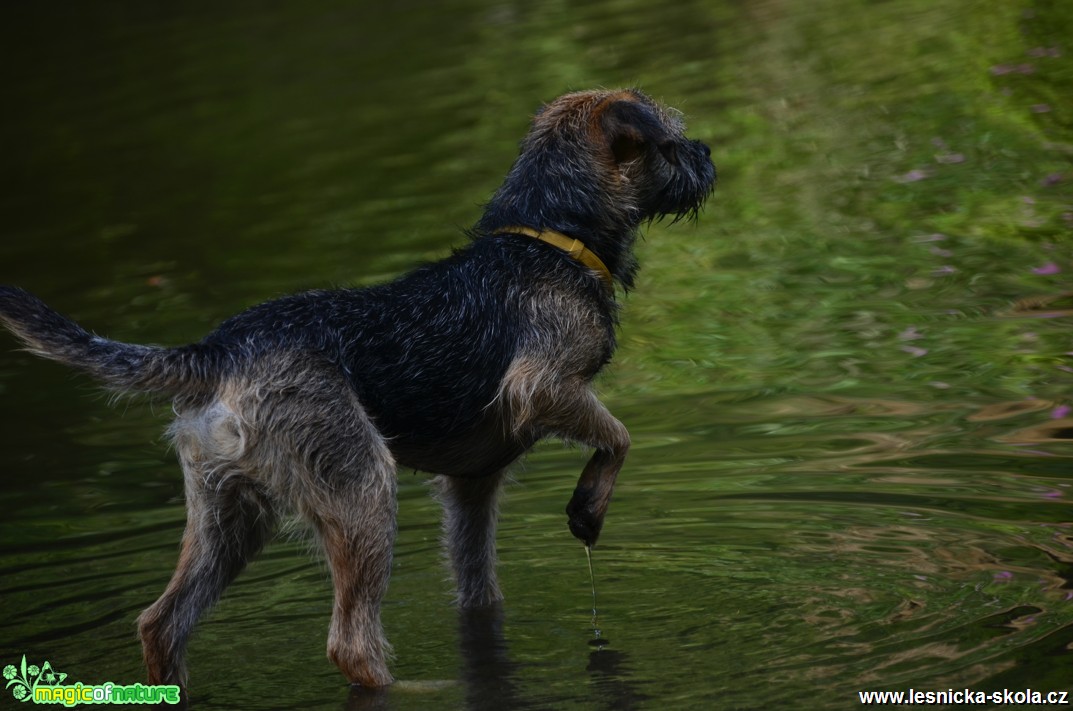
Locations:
column 22, row 680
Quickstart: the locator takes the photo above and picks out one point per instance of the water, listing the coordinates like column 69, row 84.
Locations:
column 848, row 385
column 598, row 640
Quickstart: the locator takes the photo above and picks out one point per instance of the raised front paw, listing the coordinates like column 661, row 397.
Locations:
column 584, row 517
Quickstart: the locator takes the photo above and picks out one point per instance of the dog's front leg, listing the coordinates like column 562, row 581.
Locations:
column 470, row 514
column 541, row 404
column 584, row 419
column 592, row 495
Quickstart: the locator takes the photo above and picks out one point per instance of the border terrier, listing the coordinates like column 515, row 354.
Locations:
column 307, row 404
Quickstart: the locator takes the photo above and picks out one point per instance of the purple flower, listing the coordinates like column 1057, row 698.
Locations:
column 1061, row 411
column 914, row 351
column 910, row 334
column 1051, row 180
column 1048, row 268
column 913, row 176
column 1003, row 575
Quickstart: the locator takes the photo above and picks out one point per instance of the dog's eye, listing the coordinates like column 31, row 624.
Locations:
column 669, row 151
column 627, row 147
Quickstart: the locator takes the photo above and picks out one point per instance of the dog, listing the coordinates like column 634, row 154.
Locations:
column 307, row 404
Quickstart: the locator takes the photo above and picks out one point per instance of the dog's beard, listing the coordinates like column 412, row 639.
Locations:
column 685, row 185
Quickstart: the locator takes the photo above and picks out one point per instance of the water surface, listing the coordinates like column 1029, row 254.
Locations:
column 848, row 384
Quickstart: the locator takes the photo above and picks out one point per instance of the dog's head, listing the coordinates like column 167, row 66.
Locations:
column 595, row 165
column 636, row 149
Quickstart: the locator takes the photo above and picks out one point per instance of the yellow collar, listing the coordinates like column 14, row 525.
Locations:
column 574, row 247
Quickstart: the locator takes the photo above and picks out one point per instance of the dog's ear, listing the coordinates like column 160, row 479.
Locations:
column 630, row 127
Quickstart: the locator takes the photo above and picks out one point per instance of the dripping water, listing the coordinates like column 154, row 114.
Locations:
column 597, row 640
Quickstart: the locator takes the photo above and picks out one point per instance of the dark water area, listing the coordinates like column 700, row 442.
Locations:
column 849, row 384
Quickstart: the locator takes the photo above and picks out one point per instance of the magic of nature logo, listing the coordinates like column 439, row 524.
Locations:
column 44, row 685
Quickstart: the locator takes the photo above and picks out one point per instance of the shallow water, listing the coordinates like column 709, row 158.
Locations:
column 848, row 384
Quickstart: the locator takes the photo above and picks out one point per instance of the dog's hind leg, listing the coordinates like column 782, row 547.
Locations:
column 228, row 521
column 359, row 553
column 347, row 490
column 357, row 530
column 470, row 515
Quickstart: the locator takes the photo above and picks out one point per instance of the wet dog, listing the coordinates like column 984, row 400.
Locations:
column 308, row 403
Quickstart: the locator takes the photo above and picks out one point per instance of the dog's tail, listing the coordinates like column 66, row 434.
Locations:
column 120, row 366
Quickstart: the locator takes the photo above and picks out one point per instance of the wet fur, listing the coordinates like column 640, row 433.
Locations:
column 309, row 403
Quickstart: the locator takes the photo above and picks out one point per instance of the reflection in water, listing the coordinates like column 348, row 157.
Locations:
column 1057, row 430
column 488, row 672
column 362, row 699
column 1048, row 306
column 614, row 681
